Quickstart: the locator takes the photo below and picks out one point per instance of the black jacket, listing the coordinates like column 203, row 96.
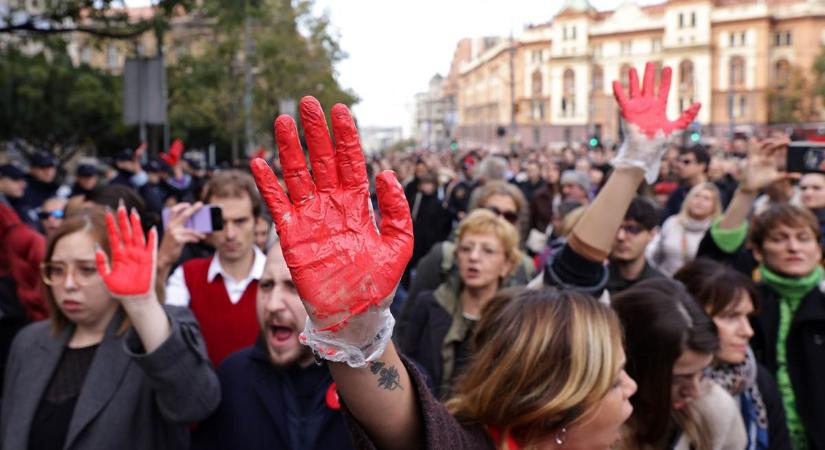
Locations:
column 261, row 408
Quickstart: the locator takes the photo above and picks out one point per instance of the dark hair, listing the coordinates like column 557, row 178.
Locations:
column 716, row 286
column 111, row 195
column 233, row 184
column 782, row 214
column 699, row 152
column 661, row 321
column 644, row 212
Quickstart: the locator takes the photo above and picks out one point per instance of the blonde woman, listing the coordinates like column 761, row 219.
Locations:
column 437, row 332
column 677, row 242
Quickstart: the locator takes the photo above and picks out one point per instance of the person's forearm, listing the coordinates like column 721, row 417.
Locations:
column 150, row 322
column 738, row 209
column 381, row 398
column 601, row 220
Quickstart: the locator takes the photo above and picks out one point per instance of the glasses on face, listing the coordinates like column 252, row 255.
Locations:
column 510, row 216
column 57, row 214
column 631, row 229
column 82, row 272
column 686, row 161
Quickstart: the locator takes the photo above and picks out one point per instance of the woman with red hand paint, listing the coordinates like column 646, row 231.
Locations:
column 113, row 368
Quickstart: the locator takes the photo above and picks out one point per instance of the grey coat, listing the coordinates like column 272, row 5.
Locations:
column 129, row 399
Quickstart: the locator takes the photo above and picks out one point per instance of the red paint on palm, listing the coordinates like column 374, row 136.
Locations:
column 648, row 110
column 339, row 262
column 133, row 257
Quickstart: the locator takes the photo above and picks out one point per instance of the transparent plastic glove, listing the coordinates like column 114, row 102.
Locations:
column 647, row 130
column 131, row 276
column 343, row 268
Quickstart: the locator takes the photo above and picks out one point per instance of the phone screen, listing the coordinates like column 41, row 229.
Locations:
column 207, row 219
column 806, row 157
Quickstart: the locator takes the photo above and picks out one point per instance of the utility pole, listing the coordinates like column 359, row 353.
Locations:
column 512, row 93
column 249, row 50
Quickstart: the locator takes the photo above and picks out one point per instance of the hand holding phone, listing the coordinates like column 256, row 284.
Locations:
column 206, row 219
column 180, row 229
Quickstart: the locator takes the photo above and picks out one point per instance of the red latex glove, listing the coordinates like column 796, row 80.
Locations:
column 174, row 154
column 132, row 272
column 340, row 264
column 646, row 127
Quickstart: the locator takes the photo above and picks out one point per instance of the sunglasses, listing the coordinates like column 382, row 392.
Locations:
column 57, row 214
column 510, row 216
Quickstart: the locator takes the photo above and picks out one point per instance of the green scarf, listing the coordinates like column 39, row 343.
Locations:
column 791, row 292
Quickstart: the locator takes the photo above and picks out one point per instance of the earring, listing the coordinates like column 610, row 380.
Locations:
column 561, row 436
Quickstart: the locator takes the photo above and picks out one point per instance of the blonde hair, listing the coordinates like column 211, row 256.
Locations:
column 542, row 360
column 694, row 191
column 483, row 221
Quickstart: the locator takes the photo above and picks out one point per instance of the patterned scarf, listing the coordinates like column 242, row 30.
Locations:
column 740, row 382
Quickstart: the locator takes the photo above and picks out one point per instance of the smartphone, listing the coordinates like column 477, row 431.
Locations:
column 207, row 219
column 806, row 157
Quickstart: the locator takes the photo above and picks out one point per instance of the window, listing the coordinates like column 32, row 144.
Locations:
column 743, row 38
column 732, row 42
column 86, row 55
column 788, row 38
column 777, row 39
column 627, row 47
column 597, row 50
column 597, row 79
column 111, row 56
column 568, row 100
column 564, row 33
column 781, row 73
column 693, row 20
column 536, row 83
column 686, row 76
column 737, row 71
column 624, row 74
column 574, row 33
column 681, row 20
column 743, row 102
column 656, row 44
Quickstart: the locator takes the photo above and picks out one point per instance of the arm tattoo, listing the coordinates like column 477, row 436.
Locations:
column 388, row 377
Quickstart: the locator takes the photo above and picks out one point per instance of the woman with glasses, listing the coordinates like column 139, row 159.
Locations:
column 437, row 332
column 112, row 368
column 670, row 342
column 502, row 199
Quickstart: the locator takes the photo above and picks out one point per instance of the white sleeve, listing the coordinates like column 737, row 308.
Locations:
column 177, row 294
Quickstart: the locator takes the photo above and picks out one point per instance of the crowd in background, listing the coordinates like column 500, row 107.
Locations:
column 482, row 222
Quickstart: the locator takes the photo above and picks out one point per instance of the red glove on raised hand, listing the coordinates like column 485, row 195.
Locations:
column 133, row 267
column 343, row 269
column 647, row 129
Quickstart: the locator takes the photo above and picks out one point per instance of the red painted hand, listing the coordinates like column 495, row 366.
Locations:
column 647, row 110
column 339, row 262
column 133, row 267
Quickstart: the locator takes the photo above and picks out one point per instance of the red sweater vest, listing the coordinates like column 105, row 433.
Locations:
column 226, row 327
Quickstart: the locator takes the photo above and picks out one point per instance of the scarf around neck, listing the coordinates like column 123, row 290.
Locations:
column 740, row 382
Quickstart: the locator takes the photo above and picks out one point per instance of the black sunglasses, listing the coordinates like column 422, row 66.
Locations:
column 510, row 216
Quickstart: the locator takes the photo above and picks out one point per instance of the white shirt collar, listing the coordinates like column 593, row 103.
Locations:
column 257, row 271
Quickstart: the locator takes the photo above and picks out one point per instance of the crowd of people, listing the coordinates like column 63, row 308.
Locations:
column 655, row 295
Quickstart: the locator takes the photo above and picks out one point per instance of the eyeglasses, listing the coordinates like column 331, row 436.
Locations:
column 510, row 216
column 686, row 162
column 55, row 273
column 632, row 230
column 57, row 214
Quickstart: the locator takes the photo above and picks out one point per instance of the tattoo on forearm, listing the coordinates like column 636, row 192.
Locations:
column 388, row 377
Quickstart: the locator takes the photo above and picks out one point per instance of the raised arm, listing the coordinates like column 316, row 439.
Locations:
column 344, row 269
column 647, row 133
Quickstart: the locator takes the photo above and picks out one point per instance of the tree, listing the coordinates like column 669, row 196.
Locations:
column 294, row 55
column 47, row 103
column 791, row 101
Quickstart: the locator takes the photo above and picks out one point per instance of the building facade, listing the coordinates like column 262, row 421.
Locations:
column 740, row 58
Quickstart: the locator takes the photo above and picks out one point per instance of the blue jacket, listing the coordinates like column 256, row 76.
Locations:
column 261, row 408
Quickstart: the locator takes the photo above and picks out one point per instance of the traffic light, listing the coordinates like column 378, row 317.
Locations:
column 695, row 136
column 594, row 141
column 453, row 146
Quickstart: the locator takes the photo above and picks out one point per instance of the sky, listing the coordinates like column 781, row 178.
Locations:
column 396, row 46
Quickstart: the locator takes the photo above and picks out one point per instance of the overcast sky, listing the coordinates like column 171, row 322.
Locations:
column 395, row 47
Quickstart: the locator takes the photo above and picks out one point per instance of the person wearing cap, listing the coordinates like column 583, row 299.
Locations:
column 86, row 179
column 154, row 192
column 575, row 187
column 127, row 167
column 40, row 186
column 12, row 184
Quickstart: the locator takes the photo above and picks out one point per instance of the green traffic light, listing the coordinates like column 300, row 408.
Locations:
column 594, row 142
column 694, row 137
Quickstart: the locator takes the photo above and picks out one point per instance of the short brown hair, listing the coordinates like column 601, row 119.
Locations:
column 233, row 184
column 782, row 214
column 484, row 221
column 492, row 188
column 716, row 286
